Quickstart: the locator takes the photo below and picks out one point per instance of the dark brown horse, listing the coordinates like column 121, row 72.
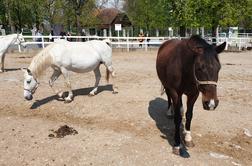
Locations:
column 188, row 67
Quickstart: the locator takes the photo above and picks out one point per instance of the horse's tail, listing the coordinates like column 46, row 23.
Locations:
column 107, row 74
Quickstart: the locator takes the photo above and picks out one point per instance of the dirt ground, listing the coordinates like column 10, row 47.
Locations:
column 128, row 128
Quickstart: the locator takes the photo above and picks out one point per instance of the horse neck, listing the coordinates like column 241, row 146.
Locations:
column 188, row 58
column 8, row 40
column 40, row 63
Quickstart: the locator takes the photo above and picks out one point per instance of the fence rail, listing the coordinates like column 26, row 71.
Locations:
column 134, row 42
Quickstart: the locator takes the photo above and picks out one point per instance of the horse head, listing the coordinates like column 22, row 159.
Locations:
column 206, row 69
column 30, row 84
column 20, row 40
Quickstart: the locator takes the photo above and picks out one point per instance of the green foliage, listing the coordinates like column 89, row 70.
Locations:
column 145, row 14
column 189, row 13
column 26, row 13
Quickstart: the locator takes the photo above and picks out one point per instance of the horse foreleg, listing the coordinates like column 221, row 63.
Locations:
column 53, row 78
column 110, row 70
column 97, row 80
column 189, row 114
column 65, row 73
column 2, row 62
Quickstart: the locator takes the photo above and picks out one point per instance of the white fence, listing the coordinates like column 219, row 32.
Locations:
column 129, row 43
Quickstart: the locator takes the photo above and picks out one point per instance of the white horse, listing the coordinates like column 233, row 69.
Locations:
column 5, row 42
column 64, row 56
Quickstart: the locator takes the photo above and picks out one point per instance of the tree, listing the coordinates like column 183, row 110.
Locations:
column 76, row 5
column 3, row 13
column 246, row 15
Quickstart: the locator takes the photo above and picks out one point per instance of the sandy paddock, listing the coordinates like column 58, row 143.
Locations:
column 128, row 128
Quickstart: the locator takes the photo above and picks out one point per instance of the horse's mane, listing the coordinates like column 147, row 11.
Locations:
column 40, row 62
column 199, row 41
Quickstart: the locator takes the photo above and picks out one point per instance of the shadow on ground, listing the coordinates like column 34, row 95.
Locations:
column 76, row 92
column 157, row 111
column 11, row 69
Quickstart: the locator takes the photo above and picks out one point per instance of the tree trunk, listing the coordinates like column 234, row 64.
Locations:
column 10, row 20
column 182, row 31
column 77, row 17
column 214, row 34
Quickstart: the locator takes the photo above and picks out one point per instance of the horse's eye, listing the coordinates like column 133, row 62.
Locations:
column 28, row 82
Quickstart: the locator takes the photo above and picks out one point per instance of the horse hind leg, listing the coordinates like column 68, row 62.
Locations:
column 97, row 80
column 53, row 78
column 66, row 76
column 170, row 111
column 110, row 70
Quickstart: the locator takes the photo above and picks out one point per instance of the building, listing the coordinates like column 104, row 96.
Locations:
column 108, row 17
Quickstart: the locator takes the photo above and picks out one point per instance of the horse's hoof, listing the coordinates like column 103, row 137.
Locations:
column 175, row 150
column 68, row 101
column 181, row 152
column 189, row 144
column 115, row 92
column 60, row 94
column 91, row 94
column 60, row 99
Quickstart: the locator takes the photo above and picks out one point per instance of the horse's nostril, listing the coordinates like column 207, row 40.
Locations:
column 29, row 97
column 206, row 105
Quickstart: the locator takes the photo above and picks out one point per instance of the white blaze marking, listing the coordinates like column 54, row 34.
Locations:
column 211, row 104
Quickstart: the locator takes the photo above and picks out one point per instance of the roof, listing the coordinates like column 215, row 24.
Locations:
column 111, row 16
column 107, row 15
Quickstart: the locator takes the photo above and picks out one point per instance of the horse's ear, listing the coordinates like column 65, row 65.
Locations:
column 29, row 71
column 26, row 70
column 220, row 48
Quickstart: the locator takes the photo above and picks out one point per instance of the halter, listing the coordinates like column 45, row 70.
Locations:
column 34, row 89
column 198, row 82
column 20, row 42
column 202, row 82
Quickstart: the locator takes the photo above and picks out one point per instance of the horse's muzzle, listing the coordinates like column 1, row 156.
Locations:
column 29, row 97
column 210, row 105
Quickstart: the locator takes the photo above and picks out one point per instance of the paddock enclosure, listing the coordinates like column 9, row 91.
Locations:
column 128, row 128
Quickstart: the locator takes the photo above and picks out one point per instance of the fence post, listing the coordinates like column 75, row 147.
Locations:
column 226, row 40
column 239, row 44
column 145, row 45
column 43, row 44
column 127, row 44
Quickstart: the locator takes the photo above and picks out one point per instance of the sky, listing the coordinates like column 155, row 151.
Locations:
column 111, row 3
